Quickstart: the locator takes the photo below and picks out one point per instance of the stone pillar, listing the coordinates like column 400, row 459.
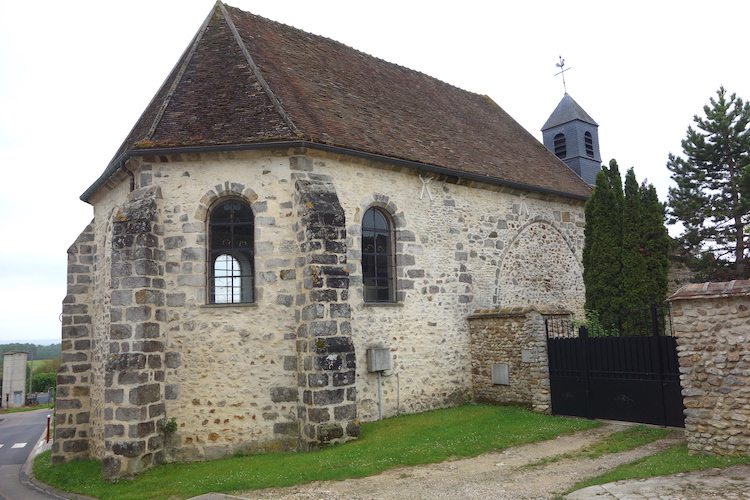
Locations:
column 326, row 359
column 73, row 403
column 710, row 321
column 134, row 373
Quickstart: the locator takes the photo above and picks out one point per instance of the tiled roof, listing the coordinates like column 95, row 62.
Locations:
column 246, row 80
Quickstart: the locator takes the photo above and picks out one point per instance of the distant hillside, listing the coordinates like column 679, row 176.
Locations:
column 7, row 339
column 35, row 351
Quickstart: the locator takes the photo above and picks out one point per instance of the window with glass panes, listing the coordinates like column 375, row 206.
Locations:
column 377, row 257
column 231, row 232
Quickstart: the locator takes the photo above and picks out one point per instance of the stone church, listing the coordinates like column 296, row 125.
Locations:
column 289, row 242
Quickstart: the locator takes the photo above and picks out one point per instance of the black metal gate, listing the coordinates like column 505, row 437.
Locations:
column 628, row 376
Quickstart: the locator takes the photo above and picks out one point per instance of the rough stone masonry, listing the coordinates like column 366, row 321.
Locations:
column 142, row 345
column 712, row 324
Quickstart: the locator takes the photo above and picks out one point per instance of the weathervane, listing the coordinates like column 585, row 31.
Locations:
column 562, row 72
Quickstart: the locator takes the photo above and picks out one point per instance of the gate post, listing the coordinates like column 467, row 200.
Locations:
column 659, row 361
column 583, row 334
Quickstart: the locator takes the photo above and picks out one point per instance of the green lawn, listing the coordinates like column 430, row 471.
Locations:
column 627, row 439
column 407, row 440
column 428, row 437
column 670, row 461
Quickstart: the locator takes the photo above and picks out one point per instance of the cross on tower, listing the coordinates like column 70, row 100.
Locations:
column 562, row 72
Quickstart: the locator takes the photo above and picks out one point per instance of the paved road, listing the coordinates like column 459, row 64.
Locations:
column 19, row 433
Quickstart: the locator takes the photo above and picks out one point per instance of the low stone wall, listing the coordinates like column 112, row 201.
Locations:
column 515, row 341
column 711, row 322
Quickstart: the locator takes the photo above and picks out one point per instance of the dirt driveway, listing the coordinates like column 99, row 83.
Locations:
column 490, row 476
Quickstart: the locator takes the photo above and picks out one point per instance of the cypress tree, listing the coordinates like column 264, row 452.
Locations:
column 602, row 248
column 655, row 245
column 635, row 296
column 625, row 252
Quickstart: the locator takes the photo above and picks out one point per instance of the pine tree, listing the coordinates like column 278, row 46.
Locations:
column 711, row 198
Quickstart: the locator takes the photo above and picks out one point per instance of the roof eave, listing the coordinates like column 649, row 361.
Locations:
column 119, row 163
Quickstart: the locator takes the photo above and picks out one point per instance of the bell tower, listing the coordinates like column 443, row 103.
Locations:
column 573, row 136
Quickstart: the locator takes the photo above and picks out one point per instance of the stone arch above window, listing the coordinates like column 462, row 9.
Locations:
column 561, row 149
column 226, row 190
column 231, row 252
column 384, row 202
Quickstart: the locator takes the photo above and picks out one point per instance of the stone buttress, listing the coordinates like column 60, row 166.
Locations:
column 134, row 370
column 73, row 404
column 326, row 359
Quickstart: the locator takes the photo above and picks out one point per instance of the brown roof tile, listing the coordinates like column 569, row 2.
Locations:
column 246, row 79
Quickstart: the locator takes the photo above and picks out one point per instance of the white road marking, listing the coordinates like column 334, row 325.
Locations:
column 19, row 445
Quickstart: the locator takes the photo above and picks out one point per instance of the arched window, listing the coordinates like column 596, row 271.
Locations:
column 561, row 150
column 589, row 142
column 231, row 230
column 378, row 266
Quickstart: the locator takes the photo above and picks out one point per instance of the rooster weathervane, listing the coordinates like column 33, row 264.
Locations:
column 560, row 65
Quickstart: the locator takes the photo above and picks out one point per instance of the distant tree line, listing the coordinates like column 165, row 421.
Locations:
column 35, row 351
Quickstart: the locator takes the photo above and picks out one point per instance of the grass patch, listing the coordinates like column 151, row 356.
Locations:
column 630, row 438
column 407, row 440
column 670, row 461
column 27, row 408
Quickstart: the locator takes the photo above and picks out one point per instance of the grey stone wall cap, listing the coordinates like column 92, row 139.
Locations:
column 518, row 311
column 712, row 289
column 145, row 193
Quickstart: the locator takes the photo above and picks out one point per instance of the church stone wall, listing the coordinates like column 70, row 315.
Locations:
column 246, row 377
column 452, row 239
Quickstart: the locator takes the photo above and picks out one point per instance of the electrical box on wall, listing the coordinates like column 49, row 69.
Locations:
column 378, row 359
column 500, row 375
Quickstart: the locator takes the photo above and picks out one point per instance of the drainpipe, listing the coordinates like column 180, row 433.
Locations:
column 380, row 393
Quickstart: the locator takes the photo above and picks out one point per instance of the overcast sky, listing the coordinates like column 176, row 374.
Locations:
column 75, row 76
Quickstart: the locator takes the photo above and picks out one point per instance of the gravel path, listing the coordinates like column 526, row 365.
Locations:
column 493, row 475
